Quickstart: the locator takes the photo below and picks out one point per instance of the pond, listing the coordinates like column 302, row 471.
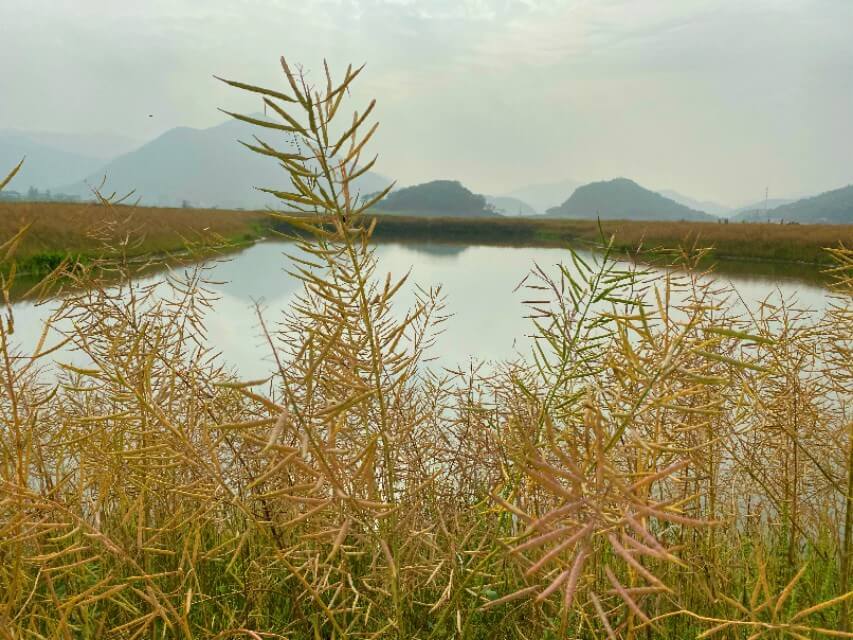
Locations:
column 488, row 317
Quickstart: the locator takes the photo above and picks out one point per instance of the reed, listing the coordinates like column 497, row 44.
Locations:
column 56, row 231
column 661, row 467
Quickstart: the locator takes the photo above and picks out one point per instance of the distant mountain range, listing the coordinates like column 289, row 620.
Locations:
column 199, row 167
column 44, row 166
column 831, row 207
column 755, row 211
column 437, row 198
column 623, row 199
column 102, row 146
column 509, row 206
column 207, row 168
column 546, row 195
column 707, row 206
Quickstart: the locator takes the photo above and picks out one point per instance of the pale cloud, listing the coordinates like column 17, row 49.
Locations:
column 716, row 98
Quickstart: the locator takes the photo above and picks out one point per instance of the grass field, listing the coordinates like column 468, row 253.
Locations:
column 86, row 231
column 759, row 241
column 60, row 229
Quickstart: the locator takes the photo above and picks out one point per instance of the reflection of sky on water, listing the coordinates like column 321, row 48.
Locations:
column 488, row 320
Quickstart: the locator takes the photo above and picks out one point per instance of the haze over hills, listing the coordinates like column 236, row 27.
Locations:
column 706, row 206
column 103, row 146
column 207, row 167
column 437, row 198
column 509, row 206
column 44, row 166
column 756, row 210
column 623, row 199
column 546, row 195
column 831, row 207
column 204, row 167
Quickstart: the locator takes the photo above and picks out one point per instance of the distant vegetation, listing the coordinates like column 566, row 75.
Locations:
column 623, row 199
column 34, row 195
column 437, row 198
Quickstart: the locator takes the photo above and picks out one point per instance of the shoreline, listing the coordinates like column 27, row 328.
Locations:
column 59, row 230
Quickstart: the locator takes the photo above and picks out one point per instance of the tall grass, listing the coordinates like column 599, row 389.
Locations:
column 57, row 230
column 661, row 467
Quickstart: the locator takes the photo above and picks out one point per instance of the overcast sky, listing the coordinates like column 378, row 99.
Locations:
column 713, row 98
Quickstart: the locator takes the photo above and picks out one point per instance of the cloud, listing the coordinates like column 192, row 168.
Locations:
column 717, row 98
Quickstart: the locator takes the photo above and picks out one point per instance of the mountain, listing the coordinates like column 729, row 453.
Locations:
column 708, row 206
column 758, row 211
column 831, row 207
column 509, row 206
column 103, row 146
column 772, row 203
column 545, row 195
column 204, row 167
column 623, row 199
column 437, row 198
column 44, row 166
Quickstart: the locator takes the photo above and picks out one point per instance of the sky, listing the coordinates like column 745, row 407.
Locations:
column 716, row 99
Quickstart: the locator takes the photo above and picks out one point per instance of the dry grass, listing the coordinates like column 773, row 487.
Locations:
column 772, row 242
column 58, row 229
column 660, row 468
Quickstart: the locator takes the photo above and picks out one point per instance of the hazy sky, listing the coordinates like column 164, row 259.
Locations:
column 713, row 98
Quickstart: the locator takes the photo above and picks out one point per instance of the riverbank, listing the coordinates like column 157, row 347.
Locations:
column 86, row 231
column 741, row 242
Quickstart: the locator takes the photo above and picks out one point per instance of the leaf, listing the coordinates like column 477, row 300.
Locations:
column 249, row 87
column 8, row 178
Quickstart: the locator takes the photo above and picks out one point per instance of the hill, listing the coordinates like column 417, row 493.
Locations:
column 545, row 195
column 509, row 206
column 45, row 166
column 758, row 211
column 102, row 146
column 831, row 207
column 708, row 206
column 437, row 198
column 623, row 199
column 204, row 167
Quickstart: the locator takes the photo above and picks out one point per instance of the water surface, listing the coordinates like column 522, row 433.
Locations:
column 488, row 321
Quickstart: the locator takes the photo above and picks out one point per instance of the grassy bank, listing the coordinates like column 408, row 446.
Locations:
column 759, row 241
column 81, row 230
column 87, row 231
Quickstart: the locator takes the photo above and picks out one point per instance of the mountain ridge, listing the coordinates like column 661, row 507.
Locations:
column 44, row 166
column 623, row 199
column 830, row 207
column 545, row 195
column 706, row 206
column 202, row 167
column 512, row 207
column 435, row 199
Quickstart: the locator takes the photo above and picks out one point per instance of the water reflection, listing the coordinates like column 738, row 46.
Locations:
column 488, row 317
